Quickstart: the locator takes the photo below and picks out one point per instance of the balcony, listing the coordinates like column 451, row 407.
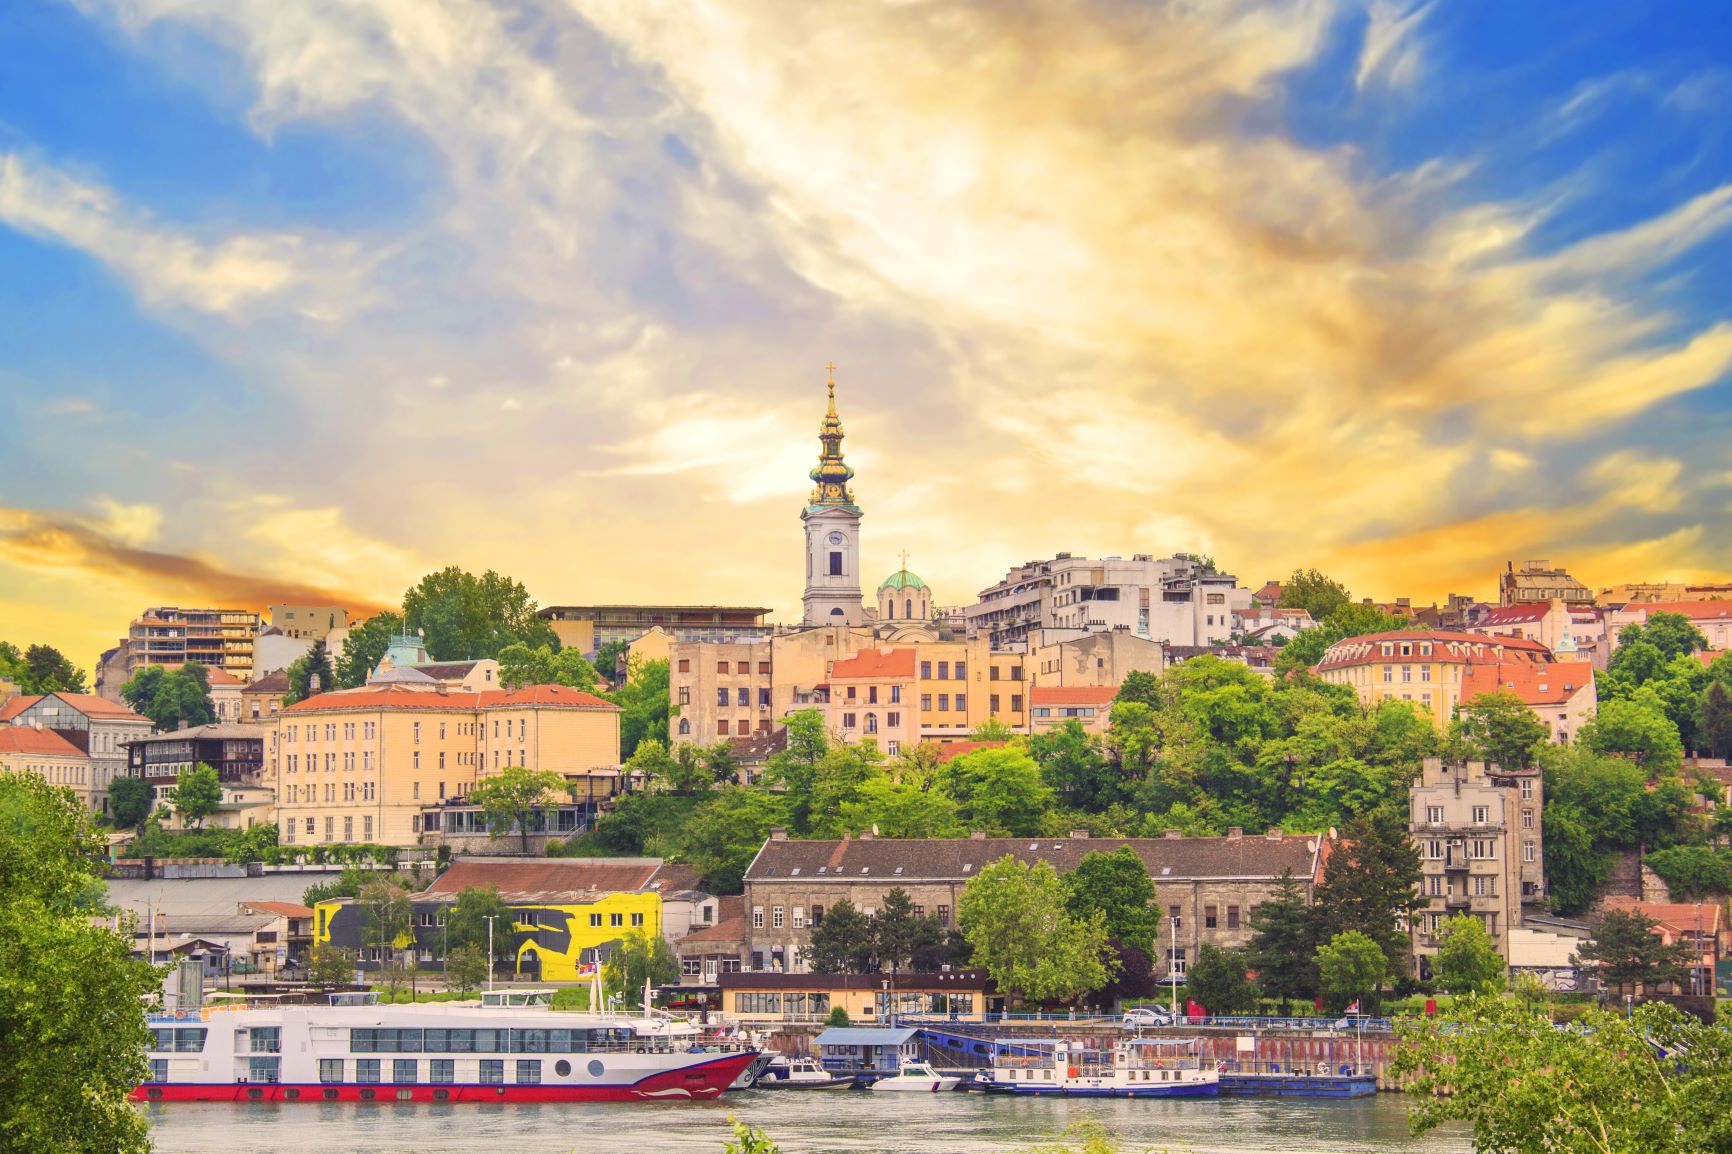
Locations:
column 1457, row 902
column 1455, row 863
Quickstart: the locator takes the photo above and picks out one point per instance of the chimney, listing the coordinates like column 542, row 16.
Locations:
column 1234, row 833
column 779, row 834
column 866, row 834
column 1274, row 833
column 976, row 835
column 1172, row 833
column 1079, row 835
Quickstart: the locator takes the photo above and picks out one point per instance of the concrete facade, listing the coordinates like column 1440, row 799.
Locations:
column 1094, row 659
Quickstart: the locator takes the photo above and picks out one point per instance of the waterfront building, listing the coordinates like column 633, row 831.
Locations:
column 97, row 727
column 1206, row 887
column 361, row 765
column 1425, row 667
column 1179, row 600
column 716, row 946
column 1538, row 582
column 1481, row 849
column 774, row 999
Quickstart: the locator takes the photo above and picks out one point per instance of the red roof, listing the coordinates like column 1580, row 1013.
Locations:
column 870, row 663
column 18, row 705
column 1522, row 614
column 217, row 676
column 1449, row 646
column 1073, row 694
column 954, row 749
column 1550, row 683
column 430, row 697
column 730, row 924
column 1694, row 610
column 29, row 739
column 86, row 703
column 542, row 695
column 285, row 909
column 1707, row 656
column 1678, row 917
column 542, row 878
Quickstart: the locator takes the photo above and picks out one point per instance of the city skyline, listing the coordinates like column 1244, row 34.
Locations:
column 302, row 305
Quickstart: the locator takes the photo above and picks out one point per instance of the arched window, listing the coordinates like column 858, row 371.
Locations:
column 871, row 723
column 908, row 609
column 837, row 612
column 685, row 725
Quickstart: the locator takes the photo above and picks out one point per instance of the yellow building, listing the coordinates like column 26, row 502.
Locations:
column 358, row 765
column 46, row 754
column 1425, row 667
column 938, row 691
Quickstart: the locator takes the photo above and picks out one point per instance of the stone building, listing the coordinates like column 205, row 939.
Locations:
column 1096, row 659
column 1480, row 848
column 1207, row 887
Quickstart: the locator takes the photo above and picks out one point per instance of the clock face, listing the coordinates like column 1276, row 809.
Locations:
column 835, row 538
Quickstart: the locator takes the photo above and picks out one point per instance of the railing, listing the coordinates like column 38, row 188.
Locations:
column 1347, row 1068
column 1246, row 1022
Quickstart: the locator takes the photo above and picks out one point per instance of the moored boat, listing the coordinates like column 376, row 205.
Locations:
column 1134, row 1068
column 915, row 1078
column 801, row 1073
column 436, row 1052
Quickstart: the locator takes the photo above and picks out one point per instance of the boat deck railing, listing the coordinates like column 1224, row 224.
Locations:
column 1274, row 1067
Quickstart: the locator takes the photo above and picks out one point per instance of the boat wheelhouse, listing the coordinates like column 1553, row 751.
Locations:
column 1134, row 1068
column 512, row 1050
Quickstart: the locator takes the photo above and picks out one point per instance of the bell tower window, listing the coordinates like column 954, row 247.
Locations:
column 835, row 563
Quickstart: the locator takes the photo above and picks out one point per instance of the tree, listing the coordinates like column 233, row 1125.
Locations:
column 901, row 935
column 1652, row 1083
column 366, row 646
column 724, row 834
column 1714, row 721
column 900, row 810
column 643, row 700
column 997, row 790
column 72, row 998
column 1116, row 886
column 1503, row 730
column 129, row 802
column 329, row 965
column 842, row 943
column 466, row 968
column 1629, row 951
column 652, row 761
column 314, row 663
column 640, row 957
column 1141, row 687
column 838, row 1018
column 462, row 616
column 1013, row 916
column 466, row 922
column 1074, row 766
column 1351, row 967
column 992, row 729
column 1637, row 729
column 196, row 794
column 1217, row 981
column 607, row 658
column 1467, row 959
column 514, row 797
column 795, row 767
column 1670, row 634
column 43, row 669
column 346, row 884
column 389, row 914
column 172, row 699
column 1371, row 885
column 519, row 665
column 1284, row 943
column 1317, row 594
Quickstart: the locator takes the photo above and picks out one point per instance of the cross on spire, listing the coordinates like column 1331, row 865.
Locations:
column 905, row 560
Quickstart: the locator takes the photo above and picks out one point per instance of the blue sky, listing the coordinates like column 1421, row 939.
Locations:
column 329, row 294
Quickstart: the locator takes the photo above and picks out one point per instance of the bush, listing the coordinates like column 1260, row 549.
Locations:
column 838, row 1017
column 571, row 998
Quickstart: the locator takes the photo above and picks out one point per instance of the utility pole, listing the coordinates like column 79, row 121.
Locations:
column 490, row 918
column 1172, row 968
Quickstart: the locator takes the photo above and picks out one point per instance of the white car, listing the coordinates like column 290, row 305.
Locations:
column 1142, row 1017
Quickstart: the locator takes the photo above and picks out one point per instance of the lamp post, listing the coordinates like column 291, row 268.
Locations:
column 490, row 918
column 1696, row 966
column 889, row 1015
column 1173, row 968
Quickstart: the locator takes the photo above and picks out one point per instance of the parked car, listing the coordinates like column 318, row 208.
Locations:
column 1142, row 1017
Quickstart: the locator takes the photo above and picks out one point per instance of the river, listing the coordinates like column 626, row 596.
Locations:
column 802, row 1123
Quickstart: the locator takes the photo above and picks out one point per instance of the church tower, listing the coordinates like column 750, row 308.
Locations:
column 832, row 521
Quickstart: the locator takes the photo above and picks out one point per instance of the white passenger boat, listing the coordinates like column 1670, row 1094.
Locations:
column 916, row 1078
column 1134, row 1068
column 800, row 1074
column 506, row 1048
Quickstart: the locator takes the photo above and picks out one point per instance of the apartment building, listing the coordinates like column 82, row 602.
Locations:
column 1567, row 630
column 1178, row 599
column 1096, row 659
column 218, row 638
column 1538, row 582
column 720, row 690
column 307, row 622
column 1055, row 706
column 98, row 728
column 1481, row 852
column 1206, row 887
column 1561, row 694
column 1425, row 667
column 938, row 691
column 359, row 765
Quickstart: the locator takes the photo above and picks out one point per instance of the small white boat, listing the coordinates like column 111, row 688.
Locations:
column 916, row 1078
column 799, row 1074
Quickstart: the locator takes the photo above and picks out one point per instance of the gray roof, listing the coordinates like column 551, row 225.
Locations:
column 402, row 675
column 182, row 897
column 958, row 859
column 447, row 670
column 865, row 1036
column 220, row 730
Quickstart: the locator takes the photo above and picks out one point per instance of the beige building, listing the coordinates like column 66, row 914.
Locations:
column 1569, row 631
column 1425, row 667
column 1097, row 659
column 98, row 728
column 1617, row 596
column 1537, row 582
column 1206, row 887
column 25, row 749
column 939, row 691
column 308, row 622
column 1481, row 853
column 1561, row 694
column 358, row 765
column 1712, row 618
column 727, row 689
column 1056, row 705
column 588, row 627
column 261, row 699
column 218, row 638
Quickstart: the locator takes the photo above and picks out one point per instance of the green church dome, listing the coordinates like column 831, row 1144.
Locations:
column 902, row 579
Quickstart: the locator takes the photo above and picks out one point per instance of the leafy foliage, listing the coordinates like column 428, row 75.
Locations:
column 1217, row 981
column 463, row 616
column 1467, row 958
column 1370, row 885
column 129, row 801
column 1317, row 594
column 1351, row 966
column 171, row 698
column 196, row 794
column 512, row 798
column 1283, row 945
column 1501, row 729
column 519, row 665
column 365, row 646
column 1013, row 916
column 466, row 968
column 1628, row 951
column 1116, row 886
column 40, row 669
column 842, row 943
column 644, row 702
column 315, row 663
column 639, row 957
column 466, row 923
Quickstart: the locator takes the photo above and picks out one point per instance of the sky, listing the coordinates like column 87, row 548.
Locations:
column 305, row 300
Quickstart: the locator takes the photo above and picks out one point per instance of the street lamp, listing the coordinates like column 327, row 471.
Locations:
column 889, row 1015
column 1173, row 968
column 490, row 918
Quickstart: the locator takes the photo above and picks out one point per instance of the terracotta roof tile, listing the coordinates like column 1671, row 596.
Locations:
column 730, row 925
column 543, row 879
column 542, row 695
column 42, row 742
column 276, row 681
column 951, row 750
column 874, row 663
column 1550, row 683
column 18, row 705
column 1450, row 647
column 285, row 909
column 1678, row 917
column 1694, row 610
column 86, row 703
column 1073, row 694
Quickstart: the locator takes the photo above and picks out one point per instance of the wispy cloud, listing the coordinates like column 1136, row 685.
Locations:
column 1391, row 56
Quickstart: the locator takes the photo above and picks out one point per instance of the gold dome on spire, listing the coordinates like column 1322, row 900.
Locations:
column 832, row 475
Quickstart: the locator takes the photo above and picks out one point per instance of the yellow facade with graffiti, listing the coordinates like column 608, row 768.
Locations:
column 546, row 941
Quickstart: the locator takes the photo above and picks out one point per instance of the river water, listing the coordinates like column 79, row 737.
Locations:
column 802, row 1123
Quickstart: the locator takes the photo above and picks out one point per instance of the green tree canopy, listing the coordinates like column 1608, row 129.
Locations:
column 794, row 769
column 519, row 665
column 172, row 699
column 316, row 662
column 1283, row 947
column 463, row 616
column 643, row 701
column 196, row 794
column 900, row 935
column 1500, row 728
column 72, row 998
column 997, row 790
column 1467, row 958
column 1073, row 764
column 1636, row 728
column 129, row 801
column 842, row 942
column 514, row 797
column 640, row 958
column 389, row 913
column 40, row 670
column 1317, row 594
column 725, row 833
column 1371, row 885
column 1217, row 981
column 1628, row 951
column 1116, row 886
column 366, row 646
column 1014, row 918
column 1351, row 967
column 466, row 921
column 1714, row 719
